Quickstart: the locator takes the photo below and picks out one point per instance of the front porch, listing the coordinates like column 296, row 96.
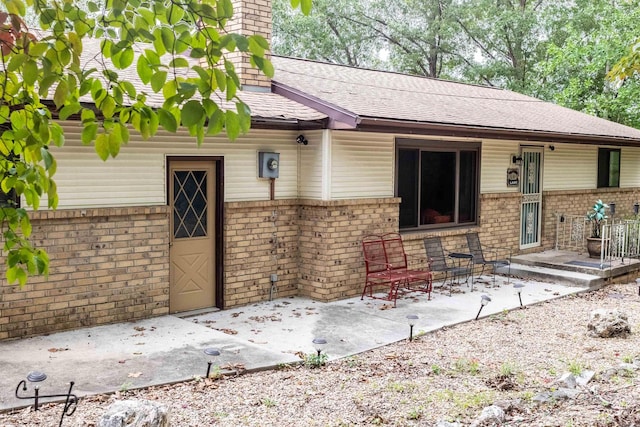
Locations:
column 574, row 267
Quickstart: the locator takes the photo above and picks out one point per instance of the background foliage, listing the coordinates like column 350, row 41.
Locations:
column 556, row 50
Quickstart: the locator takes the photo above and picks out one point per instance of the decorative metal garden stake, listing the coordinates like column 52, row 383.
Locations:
column 518, row 287
column 70, row 403
column 319, row 344
column 210, row 352
column 411, row 319
column 483, row 301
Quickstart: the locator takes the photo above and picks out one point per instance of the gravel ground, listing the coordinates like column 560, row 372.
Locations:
column 451, row 374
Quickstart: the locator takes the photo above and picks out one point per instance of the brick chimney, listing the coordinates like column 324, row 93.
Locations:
column 250, row 17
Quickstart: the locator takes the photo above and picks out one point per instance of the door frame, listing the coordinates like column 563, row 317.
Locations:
column 218, row 206
column 538, row 149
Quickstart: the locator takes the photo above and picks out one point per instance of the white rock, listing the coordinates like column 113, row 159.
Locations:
column 135, row 413
column 606, row 323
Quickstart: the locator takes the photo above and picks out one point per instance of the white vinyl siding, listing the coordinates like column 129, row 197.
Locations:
column 310, row 171
column 362, row 165
column 570, row 167
column 630, row 167
column 137, row 175
column 495, row 160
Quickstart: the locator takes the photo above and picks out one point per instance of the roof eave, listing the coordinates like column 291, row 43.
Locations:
column 339, row 118
column 453, row 130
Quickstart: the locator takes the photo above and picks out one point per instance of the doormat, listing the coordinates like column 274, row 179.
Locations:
column 585, row 264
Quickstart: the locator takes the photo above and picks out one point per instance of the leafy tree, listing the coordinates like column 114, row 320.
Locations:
column 327, row 34
column 574, row 72
column 177, row 49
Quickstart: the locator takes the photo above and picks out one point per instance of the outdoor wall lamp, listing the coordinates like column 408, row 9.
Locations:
column 519, row 287
column 612, row 208
column 71, row 400
column 636, row 208
column 516, row 160
column 484, row 300
column 411, row 319
column 319, row 344
column 213, row 352
column 302, row 140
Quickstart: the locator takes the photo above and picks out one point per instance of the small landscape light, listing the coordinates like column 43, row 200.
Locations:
column 319, row 344
column 518, row 287
column 214, row 352
column 484, row 300
column 411, row 319
column 35, row 377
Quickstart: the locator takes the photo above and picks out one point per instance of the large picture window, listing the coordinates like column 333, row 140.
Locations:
column 608, row 167
column 438, row 183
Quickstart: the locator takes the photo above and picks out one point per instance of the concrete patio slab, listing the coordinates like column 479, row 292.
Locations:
column 169, row 349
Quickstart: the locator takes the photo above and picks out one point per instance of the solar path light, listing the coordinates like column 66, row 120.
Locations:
column 519, row 287
column 411, row 319
column 213, row 352
column 484, row 300
column 319, row 344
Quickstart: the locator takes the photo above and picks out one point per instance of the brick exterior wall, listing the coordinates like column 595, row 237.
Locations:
column 107, row 265
column 112, row 264
column 250, row 17
column 331, row 263
column 579, row 202
column 261, row 238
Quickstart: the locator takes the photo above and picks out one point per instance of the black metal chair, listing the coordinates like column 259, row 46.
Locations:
column 439, row 262
column 495, row 260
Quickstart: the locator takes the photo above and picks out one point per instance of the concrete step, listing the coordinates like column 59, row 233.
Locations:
column 571, row 278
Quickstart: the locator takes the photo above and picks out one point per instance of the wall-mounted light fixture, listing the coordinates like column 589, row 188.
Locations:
column 516, row 160
column 612, row 208
column 552, row 147
column 302, row 140
column 636, row 208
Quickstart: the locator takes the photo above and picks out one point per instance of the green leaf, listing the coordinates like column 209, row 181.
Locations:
column 30, row 72
column 174, row 14
column 167, row 120
column 157, row 81
column 89, row 133
column 69, row 110
column 192, row 113
column 232, row 125
column 16, row 62
column 168, row 38
column 102, row 146
column 46, row 157
column 108, row 107
column 221, row 79
column 125, row 58
column 305, row 6
column 114, row 142
column 179, row 63
column 25, row 225
column 144, row 70
column 61, row 93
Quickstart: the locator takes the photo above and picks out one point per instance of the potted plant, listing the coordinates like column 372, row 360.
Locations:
column 596, row 216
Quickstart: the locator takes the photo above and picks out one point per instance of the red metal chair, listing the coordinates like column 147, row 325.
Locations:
column 386, row 265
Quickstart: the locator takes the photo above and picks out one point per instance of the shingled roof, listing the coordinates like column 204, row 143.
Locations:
column 368, row 99
column 263, row 105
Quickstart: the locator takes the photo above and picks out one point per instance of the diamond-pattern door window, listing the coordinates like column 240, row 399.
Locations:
column 189, row 204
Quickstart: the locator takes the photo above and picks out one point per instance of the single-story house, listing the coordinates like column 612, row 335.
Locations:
column 170, row 227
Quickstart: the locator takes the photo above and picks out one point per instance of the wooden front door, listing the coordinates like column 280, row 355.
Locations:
column 192, row 248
